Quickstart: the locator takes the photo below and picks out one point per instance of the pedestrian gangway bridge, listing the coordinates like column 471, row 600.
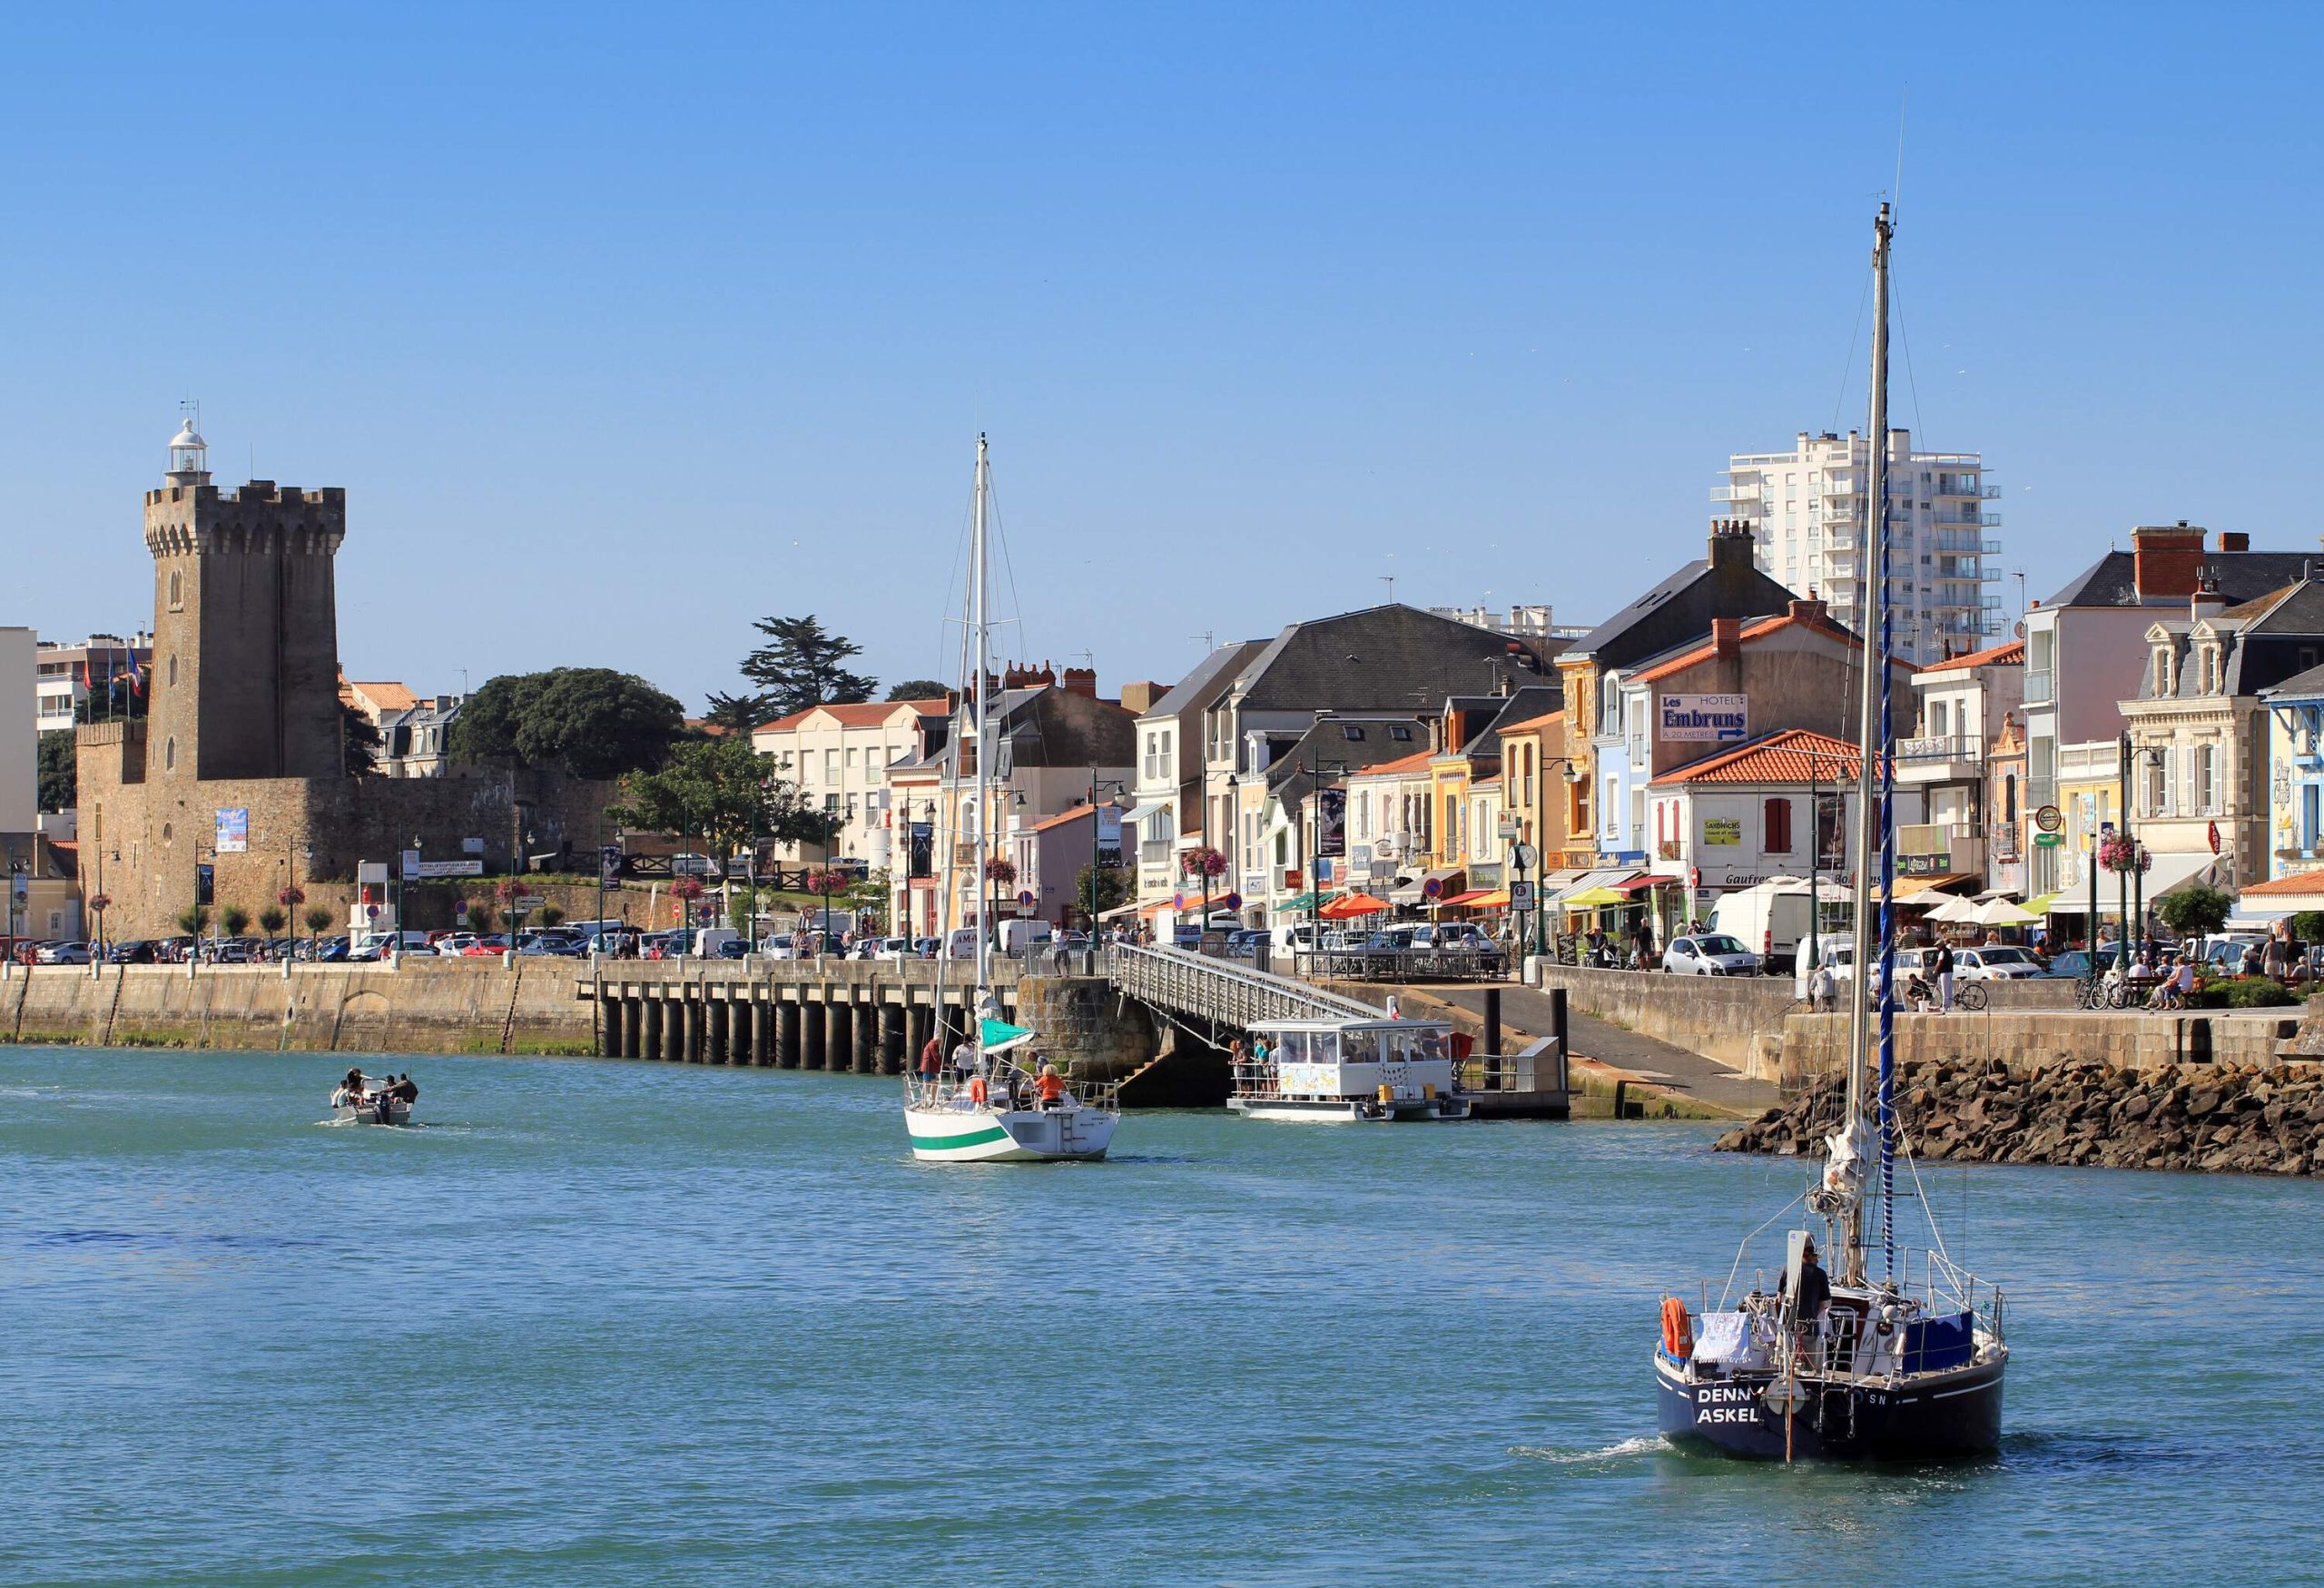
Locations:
column 1229, row 997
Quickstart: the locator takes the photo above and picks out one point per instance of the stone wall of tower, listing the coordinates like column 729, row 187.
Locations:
column 246, row 631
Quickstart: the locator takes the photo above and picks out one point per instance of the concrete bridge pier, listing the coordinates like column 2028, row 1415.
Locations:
column 814, row 1027
column 891, row 1039
column 722, row 1031
column 839, row 1037
column 755, row 1046
column 689, row 1027
column 787, row 1038
column 650, row 1020
column 866, row 1017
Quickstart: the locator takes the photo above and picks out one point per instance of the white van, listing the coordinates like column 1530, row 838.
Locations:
column 1771, row 919
column 1018, row 934
column 1292, row 938
column 960, row 943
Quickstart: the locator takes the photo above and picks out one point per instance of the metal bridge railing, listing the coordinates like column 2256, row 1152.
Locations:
column 1208, row 989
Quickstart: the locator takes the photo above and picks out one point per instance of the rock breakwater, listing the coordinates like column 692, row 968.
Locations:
column 2219, row 1118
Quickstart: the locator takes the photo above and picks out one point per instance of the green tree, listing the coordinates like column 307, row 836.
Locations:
column 270, row 921
column 59, row 781
column 916, row 689
column 2194, row 910
column 591, row 722
column 360, row 743
column 722, row 791
column 2308, row 926
column 551, row 914
column 192, row 919
column 316, row 918
column 1113, row 886
column 234, row 919
column 800, row 666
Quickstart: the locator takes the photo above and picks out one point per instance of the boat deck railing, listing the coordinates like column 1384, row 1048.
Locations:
column 1012, row 1084
column 1927, row 1278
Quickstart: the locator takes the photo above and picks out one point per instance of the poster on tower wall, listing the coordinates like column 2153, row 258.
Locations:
column 234, row 830
column 1704, row 719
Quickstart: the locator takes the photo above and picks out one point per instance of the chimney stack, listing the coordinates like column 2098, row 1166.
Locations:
column 1811, row 610
column 1727, row 637
column 2207, row 601
column 1731, row 543
column 2166, row 560
column 1080, row 681
column 2234, row 541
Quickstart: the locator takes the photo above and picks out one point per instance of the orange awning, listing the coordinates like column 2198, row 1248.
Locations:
column 1353, row 905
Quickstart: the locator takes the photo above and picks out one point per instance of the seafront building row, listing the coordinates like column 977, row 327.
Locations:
column 1477, row 764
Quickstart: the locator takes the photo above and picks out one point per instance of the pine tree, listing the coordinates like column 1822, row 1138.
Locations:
column 802, row 666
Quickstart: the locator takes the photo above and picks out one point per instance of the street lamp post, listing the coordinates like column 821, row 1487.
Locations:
column 1120, row 788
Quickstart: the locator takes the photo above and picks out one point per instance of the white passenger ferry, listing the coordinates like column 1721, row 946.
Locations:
column 1380, row 1070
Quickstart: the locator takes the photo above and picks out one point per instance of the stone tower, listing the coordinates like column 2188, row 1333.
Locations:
column 245, row 625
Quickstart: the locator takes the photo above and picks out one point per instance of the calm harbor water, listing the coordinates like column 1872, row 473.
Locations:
column 606, row 1323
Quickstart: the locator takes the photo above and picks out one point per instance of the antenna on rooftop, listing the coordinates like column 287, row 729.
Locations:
column 1389, row 580
column 1209, row 641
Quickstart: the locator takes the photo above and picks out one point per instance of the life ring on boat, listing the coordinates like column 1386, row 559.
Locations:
column 1678, row 1336
column 976, row 1091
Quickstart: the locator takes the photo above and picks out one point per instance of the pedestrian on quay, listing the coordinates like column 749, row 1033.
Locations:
column 2273, row 958
column 1823, row 988
column 1942, row 963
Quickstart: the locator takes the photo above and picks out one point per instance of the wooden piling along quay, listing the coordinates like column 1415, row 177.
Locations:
column 866, row 1016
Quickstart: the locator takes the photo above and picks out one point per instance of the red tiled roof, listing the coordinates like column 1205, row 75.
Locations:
column 1544, row 720
column 1760, row 630
column 2003, row 655
column 386, row 697
column 1059, row 820
column 863, row 714
column 1413, row 762
column 1784, row 756
column 2299, row 883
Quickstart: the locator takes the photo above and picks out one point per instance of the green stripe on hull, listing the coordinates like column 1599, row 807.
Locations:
column 966, row 1138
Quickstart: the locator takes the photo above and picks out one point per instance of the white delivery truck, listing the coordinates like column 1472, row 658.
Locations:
column 1771, row 919
column 1018, row 932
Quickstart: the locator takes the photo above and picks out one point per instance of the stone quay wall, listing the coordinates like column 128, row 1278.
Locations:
column 859, row 1015
column 2234, row 1118
column 1816, row 1045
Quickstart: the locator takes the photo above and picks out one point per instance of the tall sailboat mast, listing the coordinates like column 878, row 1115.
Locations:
column 1871, row 822
column 979, row 644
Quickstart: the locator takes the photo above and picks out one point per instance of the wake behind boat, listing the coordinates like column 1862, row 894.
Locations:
column 363, row 1099
column 1908, row 1365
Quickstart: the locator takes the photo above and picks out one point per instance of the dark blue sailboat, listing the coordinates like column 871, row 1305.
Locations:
column 1907, row 1365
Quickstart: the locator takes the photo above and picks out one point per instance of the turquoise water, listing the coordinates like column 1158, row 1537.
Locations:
column 606, row 1323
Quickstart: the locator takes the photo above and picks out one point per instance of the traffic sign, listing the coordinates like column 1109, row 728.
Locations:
column 2048, row 840
column 1232, row 902
column 1025, row 900
column 1521, row 895
column 2049, row 818
column 1694, row 877
column 371, row 912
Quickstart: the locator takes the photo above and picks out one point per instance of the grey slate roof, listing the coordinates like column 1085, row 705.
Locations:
column 1328, row 741
column 2259, row 643
column 1678, row 611
column 2242, row 576
column 1390, row 658
column 1210, row 679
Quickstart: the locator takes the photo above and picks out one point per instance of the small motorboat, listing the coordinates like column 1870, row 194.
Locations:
column 362, row 1100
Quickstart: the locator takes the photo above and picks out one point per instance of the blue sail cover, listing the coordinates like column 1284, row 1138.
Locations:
column 1932, row 1344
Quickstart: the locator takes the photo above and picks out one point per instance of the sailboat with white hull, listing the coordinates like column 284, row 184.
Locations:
column 1906, row 1364
column 991, row 1108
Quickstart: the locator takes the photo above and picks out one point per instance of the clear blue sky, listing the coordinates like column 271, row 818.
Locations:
column 623, row 326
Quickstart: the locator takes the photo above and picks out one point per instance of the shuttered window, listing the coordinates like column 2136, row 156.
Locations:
column 1778, row 827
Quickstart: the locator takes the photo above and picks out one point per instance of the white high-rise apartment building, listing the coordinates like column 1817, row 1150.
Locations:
column 1806, row 510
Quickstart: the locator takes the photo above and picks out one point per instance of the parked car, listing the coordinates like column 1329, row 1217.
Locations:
column 233, row 951
column 2073, row 963
column 734, row 948
column 1709, row 953
column 137, row 950
column 64, row 952
column 2000, row 963
column 492, row 945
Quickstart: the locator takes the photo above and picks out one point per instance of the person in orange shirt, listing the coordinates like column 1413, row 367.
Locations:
column 1051, row 1086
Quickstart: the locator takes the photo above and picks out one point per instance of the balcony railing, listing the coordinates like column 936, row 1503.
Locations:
column 2039, row 690
column 1941, row 747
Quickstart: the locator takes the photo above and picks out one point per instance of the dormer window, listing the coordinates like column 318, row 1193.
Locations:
column 2162, row 670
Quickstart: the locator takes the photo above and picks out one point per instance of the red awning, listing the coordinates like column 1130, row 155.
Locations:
column 1470, row 897
column 1641, row 884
